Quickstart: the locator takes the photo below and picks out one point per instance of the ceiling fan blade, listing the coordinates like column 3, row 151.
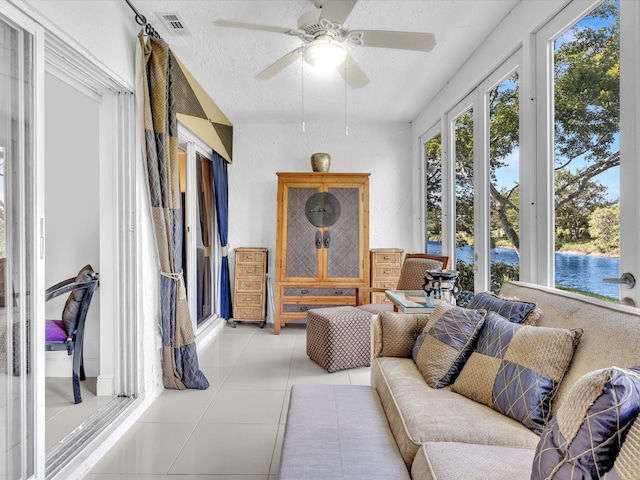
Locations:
column 356, row 78
column 253, row 26
column 337, row 11
column 423, row 42
column 280, row 64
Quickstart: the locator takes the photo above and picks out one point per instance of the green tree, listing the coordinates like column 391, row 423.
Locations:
column 574, row 210
column 586, row 126
column 464, row 178
column 433, row 180
column 604, row 226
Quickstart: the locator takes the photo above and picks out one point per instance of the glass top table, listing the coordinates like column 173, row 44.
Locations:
column 409, row 301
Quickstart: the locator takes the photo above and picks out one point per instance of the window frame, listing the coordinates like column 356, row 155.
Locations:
column 193, row 145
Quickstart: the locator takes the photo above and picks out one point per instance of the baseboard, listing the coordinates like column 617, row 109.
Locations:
column 104, row 385
column 59, row 364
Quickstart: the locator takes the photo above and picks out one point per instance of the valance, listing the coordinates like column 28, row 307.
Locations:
column 199, row 113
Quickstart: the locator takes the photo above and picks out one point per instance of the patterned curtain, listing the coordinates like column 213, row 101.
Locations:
column 179, row 356
column 221, row 182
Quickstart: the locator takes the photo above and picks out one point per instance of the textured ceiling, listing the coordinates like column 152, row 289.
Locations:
column 226, row 61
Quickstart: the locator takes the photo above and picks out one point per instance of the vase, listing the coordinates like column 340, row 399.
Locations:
column 320, row 162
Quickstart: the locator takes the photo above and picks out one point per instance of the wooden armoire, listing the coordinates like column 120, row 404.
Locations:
column 322, row 242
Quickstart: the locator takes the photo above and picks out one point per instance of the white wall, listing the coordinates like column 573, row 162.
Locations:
column 259, row 151
column 103, row 29
column 71, row 207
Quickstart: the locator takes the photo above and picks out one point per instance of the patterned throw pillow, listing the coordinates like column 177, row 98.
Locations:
column 516, row 369
column 446, row 342
column 627, row 464
column 583, row 439
column 512, row 309
column 72, row 305
column 399, row 332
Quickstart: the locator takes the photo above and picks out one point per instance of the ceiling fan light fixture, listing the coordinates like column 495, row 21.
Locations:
column 325, row 53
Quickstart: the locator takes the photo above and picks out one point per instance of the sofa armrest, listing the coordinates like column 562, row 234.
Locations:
column 376, row 336
column 394, row 333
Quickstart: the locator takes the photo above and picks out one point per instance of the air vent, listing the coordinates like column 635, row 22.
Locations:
column 174, row 23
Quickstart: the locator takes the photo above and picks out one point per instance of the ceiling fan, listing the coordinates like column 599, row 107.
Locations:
column 324, row 36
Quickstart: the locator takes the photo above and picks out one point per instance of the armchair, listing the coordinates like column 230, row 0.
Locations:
column 414, row 268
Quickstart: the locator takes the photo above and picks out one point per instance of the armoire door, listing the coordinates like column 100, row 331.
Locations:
column 322, row 243
column 323, row 232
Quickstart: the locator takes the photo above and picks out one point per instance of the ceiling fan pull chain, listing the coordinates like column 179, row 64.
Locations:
column 346, row 125
column 302, row 60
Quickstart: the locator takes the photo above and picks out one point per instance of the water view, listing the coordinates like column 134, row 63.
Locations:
column 582, row 272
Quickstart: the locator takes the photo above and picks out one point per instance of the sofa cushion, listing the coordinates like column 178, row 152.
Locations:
column 515, row 369
column 399, row 332
column 446, row 342
column 418, row 413
column 512, row 309
column 454, row 461
column 583, row 439
column 611, row 331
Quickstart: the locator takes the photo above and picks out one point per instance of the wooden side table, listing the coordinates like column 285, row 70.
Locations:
column 249, row 293
column 385, row 270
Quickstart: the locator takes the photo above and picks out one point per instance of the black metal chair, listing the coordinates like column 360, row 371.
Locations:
column 68, row 332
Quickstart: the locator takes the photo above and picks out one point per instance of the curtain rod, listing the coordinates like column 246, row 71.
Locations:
column 142, row 20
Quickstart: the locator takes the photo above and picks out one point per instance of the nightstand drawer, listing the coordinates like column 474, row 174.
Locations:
column 249, row 270
column 249, row 299
column 248, row 313
column 249, row 285
column 386, row 284
column 386, row 272
column 379, row 298
column 382, row 258
column 250, row 257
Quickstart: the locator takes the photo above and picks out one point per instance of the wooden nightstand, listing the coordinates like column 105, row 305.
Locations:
column 249, row 293
column 385, row 271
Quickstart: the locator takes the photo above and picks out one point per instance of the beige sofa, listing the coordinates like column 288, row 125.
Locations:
column 444, row 435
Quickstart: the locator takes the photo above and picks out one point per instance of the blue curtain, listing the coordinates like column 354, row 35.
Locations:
column 154, row 70
column 221, row 183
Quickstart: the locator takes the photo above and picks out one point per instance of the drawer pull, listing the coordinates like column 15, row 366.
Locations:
column 304, row 308
column 387, row 257
column 338, row 292
column 304, row 292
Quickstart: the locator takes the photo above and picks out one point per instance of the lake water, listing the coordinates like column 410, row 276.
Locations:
column 582, row 272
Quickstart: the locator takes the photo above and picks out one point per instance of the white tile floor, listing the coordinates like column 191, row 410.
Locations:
column 62, row 415
column 234, row 429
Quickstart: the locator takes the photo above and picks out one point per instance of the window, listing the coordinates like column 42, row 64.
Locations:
column 200, row 245
column 19, row 455
column 472, row 198
column 504, row 181
column 586, row 118
column 433, row 194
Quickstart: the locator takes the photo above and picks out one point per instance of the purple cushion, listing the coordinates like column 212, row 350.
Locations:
column 583, row 439
column 514, row 310
column 54, row 331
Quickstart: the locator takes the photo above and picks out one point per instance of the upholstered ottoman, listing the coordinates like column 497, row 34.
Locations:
column 338, row 432
column 339, row 337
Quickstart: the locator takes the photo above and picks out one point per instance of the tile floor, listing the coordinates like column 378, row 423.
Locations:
column 62, row 415
column 234, row 429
